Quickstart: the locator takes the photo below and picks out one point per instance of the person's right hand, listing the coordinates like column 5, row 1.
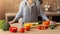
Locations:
column 11, row 22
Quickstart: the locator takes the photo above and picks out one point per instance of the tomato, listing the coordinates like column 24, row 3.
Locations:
column 27, row 28
column 42, row 27
column 46, row 23
column 13, row 29
column 39, row 27
column 46, row 27
column 22, row 30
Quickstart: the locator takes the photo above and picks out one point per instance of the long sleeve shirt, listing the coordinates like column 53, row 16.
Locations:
column 30, row 13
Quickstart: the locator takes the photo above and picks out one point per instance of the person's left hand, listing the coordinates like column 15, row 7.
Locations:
column 52, row 22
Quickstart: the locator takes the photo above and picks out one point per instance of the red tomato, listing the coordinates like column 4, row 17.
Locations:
column 42, row 28
column 13, row 29
column 22, row 30
column 27, row 28
column 39, row 27
column 46, row 23
column 46, row 27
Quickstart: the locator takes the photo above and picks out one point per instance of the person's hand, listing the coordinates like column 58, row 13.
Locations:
column 11, row 22
column 52, row 22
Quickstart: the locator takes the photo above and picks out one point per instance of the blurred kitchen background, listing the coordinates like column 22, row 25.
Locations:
column 50, row 7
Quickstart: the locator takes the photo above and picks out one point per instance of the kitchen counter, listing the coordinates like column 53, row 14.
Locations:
column 33, row 31
column 52, row 13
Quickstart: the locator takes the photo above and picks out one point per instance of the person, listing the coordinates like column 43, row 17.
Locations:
column 29, row 13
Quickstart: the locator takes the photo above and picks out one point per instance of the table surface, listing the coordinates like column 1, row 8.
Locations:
column 33, row 31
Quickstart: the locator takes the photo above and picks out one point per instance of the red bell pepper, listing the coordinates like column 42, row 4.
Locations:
column 22, row 30
column 13, row 29
column 27, row 28
column 39, row 27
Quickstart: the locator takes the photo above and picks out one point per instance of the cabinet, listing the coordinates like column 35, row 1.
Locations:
column 53, row 16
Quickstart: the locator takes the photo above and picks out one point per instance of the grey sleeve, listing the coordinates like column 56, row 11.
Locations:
column 20, row 12
column 41, row 11
column 43, row 15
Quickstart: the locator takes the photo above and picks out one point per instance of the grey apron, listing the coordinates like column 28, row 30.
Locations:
column 30, row 17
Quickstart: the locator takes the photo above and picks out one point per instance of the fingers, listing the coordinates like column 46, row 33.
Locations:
column 10, row 22
column 52, row 22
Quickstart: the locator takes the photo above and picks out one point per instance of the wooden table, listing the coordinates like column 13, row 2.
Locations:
column 34, row 31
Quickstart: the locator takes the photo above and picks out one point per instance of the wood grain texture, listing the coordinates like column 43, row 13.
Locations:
column 33, row 31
